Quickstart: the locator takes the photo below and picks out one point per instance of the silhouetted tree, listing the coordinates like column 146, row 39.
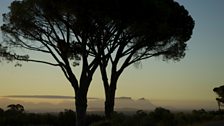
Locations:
column 163, row 116
column 60, row 29
column 130, row 31
column 16, row 108
column 14, row 115
column 98, row 32
column 220, row 92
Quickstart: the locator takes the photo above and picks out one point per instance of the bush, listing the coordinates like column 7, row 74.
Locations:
column 158, row 117
column 162, row 117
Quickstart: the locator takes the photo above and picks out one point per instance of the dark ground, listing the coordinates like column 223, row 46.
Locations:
column 218, row 123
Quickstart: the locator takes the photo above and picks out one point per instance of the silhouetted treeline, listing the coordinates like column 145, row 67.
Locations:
column 14, row 117
column 158, row 117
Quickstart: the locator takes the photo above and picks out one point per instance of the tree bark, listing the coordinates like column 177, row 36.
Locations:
column 81, row 101
column 109, row 103
column 110, row 96
column 81, row 106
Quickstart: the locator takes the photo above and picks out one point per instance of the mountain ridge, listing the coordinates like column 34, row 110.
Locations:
column 94, row 104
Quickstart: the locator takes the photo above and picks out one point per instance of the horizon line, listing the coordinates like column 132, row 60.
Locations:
column 93, row 98
column 56, row 97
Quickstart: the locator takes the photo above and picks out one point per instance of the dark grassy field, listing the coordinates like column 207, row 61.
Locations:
column 158, row 117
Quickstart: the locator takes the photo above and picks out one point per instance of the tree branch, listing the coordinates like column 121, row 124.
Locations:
column 39, row 61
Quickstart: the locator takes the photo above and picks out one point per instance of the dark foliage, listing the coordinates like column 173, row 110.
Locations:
column 135, row 30
column 161, row 117
column 220, row 99
column 65, row 118
column 98, row 32
column 158, row 117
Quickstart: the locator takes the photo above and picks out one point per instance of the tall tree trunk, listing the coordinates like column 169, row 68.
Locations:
column 81, row 97
column 109, row 102
column 81, row 106
column 81, row 102
column 110, row 96
column 109, row 88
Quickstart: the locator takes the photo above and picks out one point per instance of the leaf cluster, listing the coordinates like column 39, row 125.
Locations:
column 144, row 28
column 220, row 92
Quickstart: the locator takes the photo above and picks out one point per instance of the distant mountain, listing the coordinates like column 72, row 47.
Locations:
column 122, row 104
column 46, row 103
column 130, row 104
column 145, row 104
column 94, row 104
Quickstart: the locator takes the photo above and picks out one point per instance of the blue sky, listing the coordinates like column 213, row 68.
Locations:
column 193, row 78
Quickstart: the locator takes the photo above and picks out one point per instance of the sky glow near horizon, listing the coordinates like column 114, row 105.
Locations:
column 192, row 78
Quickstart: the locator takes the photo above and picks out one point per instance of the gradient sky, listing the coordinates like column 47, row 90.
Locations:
column 193, row 78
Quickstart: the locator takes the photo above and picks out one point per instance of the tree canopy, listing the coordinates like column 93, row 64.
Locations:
column 15, row 108
column 220, row 92
column 136, row 30
column 95, row 33
column 55, row 29
column 131, row 29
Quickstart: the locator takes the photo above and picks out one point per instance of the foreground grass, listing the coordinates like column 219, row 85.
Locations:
column 158, row 117
column 211, row 123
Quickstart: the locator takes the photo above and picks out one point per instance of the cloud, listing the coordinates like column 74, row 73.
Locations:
column 43, row 96
column 40, row 96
